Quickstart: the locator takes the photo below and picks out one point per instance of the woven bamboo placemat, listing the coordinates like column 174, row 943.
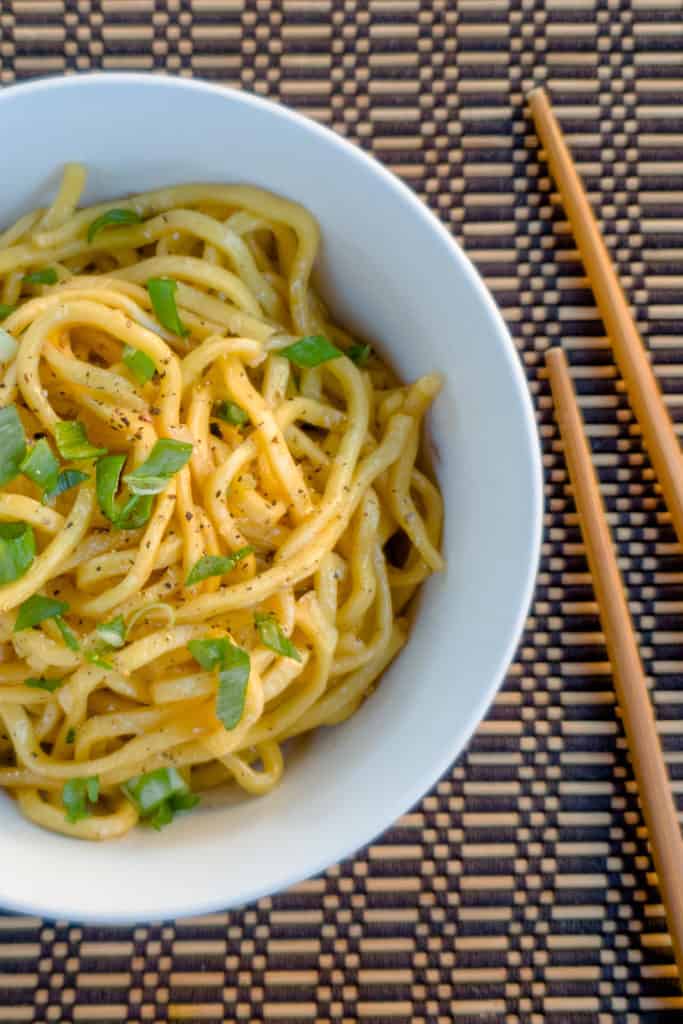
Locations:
column 521, row 889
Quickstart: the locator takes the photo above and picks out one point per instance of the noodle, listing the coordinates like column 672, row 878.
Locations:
column 203, row 479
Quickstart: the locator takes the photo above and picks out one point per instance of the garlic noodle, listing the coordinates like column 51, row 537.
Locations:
column 212, row 520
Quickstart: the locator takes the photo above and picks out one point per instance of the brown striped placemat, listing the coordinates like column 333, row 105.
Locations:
column 521, row 889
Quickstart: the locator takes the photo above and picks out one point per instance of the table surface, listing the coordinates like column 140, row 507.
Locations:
column 521, row 889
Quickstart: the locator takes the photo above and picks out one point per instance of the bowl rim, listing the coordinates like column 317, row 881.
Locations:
column 388, row 812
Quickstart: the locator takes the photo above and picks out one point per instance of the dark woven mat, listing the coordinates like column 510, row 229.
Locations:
column 521, row 889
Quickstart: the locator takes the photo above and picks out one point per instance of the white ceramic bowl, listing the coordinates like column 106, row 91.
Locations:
column 396, row 275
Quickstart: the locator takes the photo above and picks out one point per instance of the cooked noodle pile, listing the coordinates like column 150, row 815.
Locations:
column 211, row 518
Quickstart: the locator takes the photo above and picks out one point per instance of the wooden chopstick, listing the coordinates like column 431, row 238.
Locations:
column 650, row 771
column 641, row 384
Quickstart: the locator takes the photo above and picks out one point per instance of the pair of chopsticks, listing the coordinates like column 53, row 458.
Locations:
column 664, row 450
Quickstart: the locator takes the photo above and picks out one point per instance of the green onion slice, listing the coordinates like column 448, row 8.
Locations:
column 166, row 458
column 41, row 466
column 44, row 684
column 12, row 443
column 164, row 787
column 233, row 666
column 5, row 310
column 77, row 794
column 215, row 565
column 72, row 441
column 127, row 515
column 68, row 634
column 46, row 276
column 359, row 354
column 230, row 412
column 112, row 218
column 70, row 735
column 162, row 293
column 67, row 479
column 139, row 363
column 272, row 636
column 310, row 351
column 113, row 633
column 36, row 609
column 96, row 657
column 17, row 550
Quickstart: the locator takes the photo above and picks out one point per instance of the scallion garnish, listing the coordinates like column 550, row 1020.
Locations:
column 139, row 363
column 97, row 658
column 233, row 666
column 359, row 354
column 162, row 293
column 77, row 795
column 68, row 634
column 310, row 351
column 128, row 515
column 43, row 684
column 230, row 412
column 159, row 795
column 46, row 276
column 112, row 218
column 40, row 466
column 17, row 550
column 271, row 636
column 215, row 565
column 67, row 479
column 70, row 735
column 12, row 443
column 112, row 633
column 5, row 310
column 36, row 609
column 153, row 475
column 72, row 441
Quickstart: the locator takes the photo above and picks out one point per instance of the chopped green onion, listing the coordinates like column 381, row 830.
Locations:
column 36, row 609
column 272, row 636
column 148, row 792
column 97, row 658
column 215, row 565
column 113, row 633
column 162, row 293
column 72, row 441
column 210, row 652
column 70, row 735
column 77, row 794
column 17, row 550
column 162, row 817
column 233, row 679
column 139, row 364
column 5, row 310
column 8, row 346
column 310, row 351
column 67, row 479
column 40, row 466
column 112, row 218
column 67, row 633
column 233, row 666
column 230, row 412
column 166, row 458
column 46, row 276
column 129, row 515
column 359, row 354
column 44, row 684
column 12, row 443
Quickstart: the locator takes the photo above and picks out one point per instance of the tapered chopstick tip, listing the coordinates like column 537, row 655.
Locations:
column 555, row 357
column 537, row 97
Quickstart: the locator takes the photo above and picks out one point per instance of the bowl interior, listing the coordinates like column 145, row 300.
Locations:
column 390, row 271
